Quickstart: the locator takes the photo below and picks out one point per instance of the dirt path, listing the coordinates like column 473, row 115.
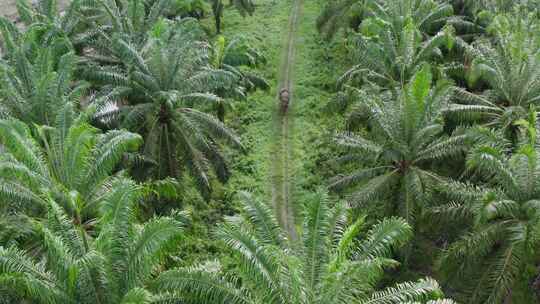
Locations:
column 281, row 176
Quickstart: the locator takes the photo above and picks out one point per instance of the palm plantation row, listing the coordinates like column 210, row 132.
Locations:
column 440, row 111
column 128, row 105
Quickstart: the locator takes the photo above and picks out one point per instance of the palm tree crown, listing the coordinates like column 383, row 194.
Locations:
column 429, row 15
column 505, row 214
column 510, row 66
column 406, row 135
column 73, row 164
column 113, row 267
column 167, row 86
column 389, row 59
column 35, row 82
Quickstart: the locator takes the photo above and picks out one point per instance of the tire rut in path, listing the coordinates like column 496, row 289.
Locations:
column 281, row 175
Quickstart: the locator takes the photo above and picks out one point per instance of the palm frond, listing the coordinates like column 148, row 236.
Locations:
column 425, row 289
column 385, row 237
column 193, row 284
column 263, row 220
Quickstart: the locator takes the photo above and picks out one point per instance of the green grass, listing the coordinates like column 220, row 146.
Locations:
column 252, row 118
column 314, row 73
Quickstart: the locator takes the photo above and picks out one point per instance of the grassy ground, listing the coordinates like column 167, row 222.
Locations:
column 314, row 72
column 253, row 119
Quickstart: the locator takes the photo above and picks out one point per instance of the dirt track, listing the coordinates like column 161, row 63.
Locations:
column 282, row 176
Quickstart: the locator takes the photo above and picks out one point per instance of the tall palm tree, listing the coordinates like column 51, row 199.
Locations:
column 510, row 66
column 112, row 267
column 167, row 86
column 497, row 257
column 405, row 138
column 73, row 163
column 236, row 56
column 329, row 264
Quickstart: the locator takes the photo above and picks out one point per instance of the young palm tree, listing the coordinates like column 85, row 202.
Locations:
column 406, row 137
column 235, row 56
column 113, row 267
column 510, row 66
column 497, row 257
column 328, row 265
column 73, row 163
column 167, row 86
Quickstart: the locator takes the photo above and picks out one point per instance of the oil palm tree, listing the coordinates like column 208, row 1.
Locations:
column 389, row 60
column 113, row 266
column 132, row 20
column 236, row 56
column 72, row 21
column 165, row 88
column 497, row 257
column 329, row 264
column 35, row 83
column 48, row 12
column 73, row 163
column 405, row 138
column 428, row 15
column 510, row 66
column 477, row 7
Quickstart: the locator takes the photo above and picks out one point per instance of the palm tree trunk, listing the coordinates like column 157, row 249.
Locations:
column 217, row 8
column 220, row 106
column 536, row 284
column 218, row 23
column 221, row 111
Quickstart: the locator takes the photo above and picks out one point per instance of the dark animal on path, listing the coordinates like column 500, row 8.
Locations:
column 284, row 99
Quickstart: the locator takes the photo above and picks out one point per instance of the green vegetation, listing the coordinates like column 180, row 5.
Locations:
column 145, row 158
column 328, row 265
column 406, row 136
